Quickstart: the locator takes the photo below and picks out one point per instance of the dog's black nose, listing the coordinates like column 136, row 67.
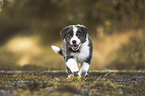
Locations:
column 74, row 41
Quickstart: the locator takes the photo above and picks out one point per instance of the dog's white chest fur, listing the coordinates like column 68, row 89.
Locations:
column 83, row 54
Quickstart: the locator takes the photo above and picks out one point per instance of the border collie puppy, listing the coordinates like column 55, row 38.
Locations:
column 77, row 48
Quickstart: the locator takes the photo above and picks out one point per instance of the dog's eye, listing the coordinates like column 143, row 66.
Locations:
column 69, row 36
column 78, row 35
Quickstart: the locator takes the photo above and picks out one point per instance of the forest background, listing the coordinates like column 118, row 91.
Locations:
column 29, row 27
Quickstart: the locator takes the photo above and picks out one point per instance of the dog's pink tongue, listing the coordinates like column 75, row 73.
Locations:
column 75, row 47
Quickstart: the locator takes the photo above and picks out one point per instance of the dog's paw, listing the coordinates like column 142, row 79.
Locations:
column 75, row 74
column 87, row 75
column 70, row 76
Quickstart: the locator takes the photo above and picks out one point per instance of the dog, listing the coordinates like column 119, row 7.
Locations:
column 76, row 48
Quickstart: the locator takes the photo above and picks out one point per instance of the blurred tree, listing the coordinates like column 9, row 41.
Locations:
column 1, row 3
column 47, row 17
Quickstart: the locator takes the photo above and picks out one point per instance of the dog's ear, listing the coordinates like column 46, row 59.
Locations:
column 63, row 32
column 84, row 30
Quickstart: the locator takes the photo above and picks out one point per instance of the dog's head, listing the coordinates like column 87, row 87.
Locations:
column 74, row 35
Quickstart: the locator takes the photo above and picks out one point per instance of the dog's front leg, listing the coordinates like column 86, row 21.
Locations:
column 84, row 69
column 72, row 65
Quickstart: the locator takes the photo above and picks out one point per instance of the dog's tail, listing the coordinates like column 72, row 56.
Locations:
column 57, row 49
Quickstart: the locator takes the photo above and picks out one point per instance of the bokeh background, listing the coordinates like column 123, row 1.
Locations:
column 29, row 27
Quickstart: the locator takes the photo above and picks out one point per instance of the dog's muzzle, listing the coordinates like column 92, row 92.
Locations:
column 75, row 47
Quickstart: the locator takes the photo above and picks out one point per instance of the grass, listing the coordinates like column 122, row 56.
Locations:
column 42, row 84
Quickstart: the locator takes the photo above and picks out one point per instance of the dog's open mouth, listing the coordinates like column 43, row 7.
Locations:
column 75, row 47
